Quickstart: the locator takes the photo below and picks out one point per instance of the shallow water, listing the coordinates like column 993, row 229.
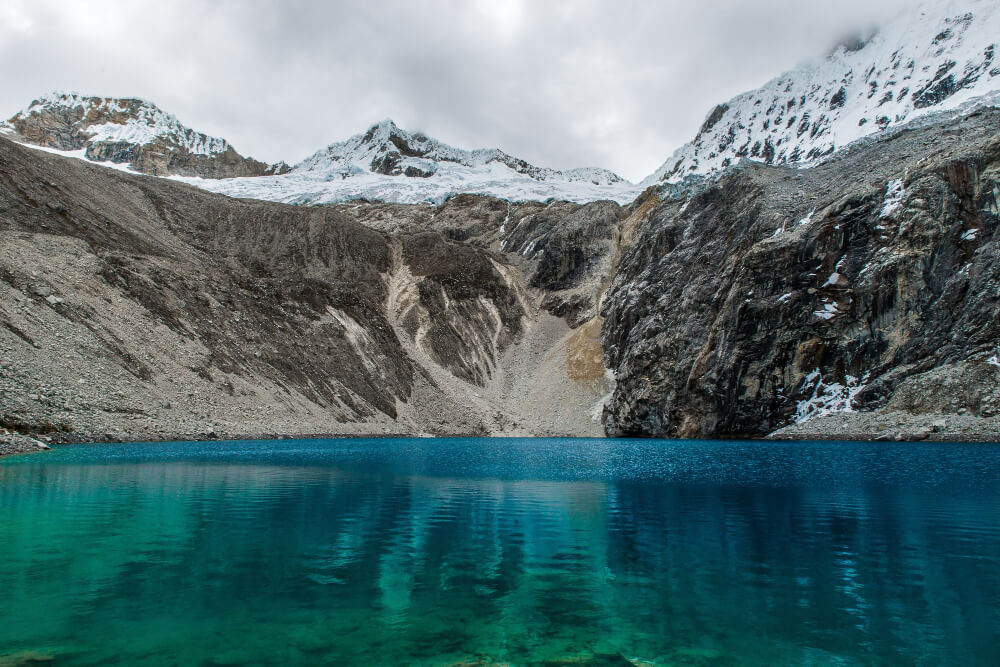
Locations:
column 443, row 551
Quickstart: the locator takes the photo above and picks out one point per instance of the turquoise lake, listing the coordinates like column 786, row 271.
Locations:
column 501, row 551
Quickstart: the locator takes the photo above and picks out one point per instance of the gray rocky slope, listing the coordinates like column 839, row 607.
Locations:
column 135, row 307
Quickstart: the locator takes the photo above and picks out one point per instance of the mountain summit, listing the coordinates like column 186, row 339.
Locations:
column 387, row 149
column 938, row 58
column 388, row 163
column 384, row 163
column 129, row 131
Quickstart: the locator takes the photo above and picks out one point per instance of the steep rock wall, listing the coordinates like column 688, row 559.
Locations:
column 773, row 294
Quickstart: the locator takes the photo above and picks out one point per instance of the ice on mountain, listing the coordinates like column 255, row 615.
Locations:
column 387, row 163
column 900, row 73
column 893, row 198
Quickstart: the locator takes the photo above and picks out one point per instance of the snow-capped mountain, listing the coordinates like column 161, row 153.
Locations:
column 128, row 131
column 939, row 57
column 386, row 149
column 387, row 163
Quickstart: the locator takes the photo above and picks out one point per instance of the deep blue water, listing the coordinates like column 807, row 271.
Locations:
column 510, row 551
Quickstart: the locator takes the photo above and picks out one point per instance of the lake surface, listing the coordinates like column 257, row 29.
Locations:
column 519, row 551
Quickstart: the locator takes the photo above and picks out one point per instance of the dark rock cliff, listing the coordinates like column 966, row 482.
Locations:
column 748, row 301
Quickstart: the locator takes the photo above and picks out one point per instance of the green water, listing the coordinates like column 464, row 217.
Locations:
column 475, row 552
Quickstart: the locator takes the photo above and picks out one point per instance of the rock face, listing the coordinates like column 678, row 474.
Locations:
column 141, row 308
column 130, row 131
column 938, row 57
column 570, row 251
column 772, row 295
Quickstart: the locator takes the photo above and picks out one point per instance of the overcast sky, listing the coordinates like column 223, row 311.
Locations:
column 616, row 83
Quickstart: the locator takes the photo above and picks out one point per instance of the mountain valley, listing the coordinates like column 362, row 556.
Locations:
column 792, row 272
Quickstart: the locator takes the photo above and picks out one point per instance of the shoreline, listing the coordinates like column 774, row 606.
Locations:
column 13, row 444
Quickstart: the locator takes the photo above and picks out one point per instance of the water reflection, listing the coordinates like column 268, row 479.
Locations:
column 439, row 553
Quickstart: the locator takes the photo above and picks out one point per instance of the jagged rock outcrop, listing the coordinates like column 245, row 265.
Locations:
column 568, row 252
column 132, row 132
column 772, row 295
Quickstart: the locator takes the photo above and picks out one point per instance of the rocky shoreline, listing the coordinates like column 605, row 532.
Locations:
column 894, row 425
column 858, row 427
column 16, row 443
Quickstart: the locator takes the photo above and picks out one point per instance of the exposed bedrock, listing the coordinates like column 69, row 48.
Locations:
column 869, row 282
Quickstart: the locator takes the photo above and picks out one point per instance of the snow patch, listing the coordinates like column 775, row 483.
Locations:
column 829, row 310
column 828, row 398
column 307, row 187
column 893, row 198
column 81, row 154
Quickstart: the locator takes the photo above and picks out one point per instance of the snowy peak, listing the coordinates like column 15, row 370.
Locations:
column 97, row 119
column 387, row 149
column 383, row 163
column 387, row 163
column 939, row 57
column 127, row 130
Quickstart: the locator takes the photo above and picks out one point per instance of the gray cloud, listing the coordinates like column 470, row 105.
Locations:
column 614, row 84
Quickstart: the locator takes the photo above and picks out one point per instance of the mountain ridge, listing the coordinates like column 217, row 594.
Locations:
column 941, row 57
column 128, row 130
column 387, row 149
column 387, row 163
column 383, row 163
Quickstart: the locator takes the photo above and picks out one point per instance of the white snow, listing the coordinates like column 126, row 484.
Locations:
column 298, row 187
column 970, row 235
column 827, row 397
column 829, row 311
column 893, row 198
column 901, row 73
column 343, row 172
column 832, row 279
column 81, row 154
